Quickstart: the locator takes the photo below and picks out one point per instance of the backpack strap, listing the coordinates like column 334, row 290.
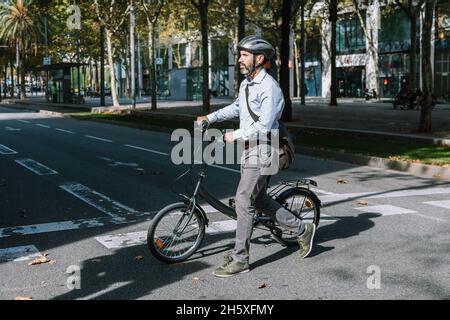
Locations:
column 254, row 116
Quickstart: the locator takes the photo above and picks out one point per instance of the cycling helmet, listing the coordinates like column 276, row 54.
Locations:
column 257, row 45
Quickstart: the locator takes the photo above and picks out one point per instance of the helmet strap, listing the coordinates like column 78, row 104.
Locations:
column 254, row 68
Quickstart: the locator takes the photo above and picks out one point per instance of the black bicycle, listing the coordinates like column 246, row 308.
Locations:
column 177, row 231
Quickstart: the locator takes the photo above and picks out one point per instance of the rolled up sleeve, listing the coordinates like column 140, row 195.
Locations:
column 227, row 113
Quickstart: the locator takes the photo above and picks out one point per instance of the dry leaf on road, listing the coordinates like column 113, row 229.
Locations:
column 138, row 258
column 342, row 181
column 39, row 260
column 23, row 298
column 363, row 202
column 264, row 286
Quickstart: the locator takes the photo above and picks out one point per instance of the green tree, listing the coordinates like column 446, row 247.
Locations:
column 202, row 8
column 411, row 9
column 20, row 28
column 152, row 11
column 112, row 15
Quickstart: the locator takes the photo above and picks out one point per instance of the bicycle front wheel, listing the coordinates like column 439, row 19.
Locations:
column 305, row 204
column 174, row 234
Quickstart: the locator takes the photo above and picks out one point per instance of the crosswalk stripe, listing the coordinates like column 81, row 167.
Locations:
column 99, row 201
column 53, row 227
column 36, row 167
column 442, row 204
column 385, row 210
column 4, row 150
column 382, row 195
column 116, row 241
column 18, row 254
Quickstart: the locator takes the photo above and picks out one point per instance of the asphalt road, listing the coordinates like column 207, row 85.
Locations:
column 82, row 193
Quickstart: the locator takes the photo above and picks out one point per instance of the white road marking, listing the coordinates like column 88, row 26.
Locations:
column 43, row 126
column 431, row 218
column 65, row 131
column 99, row 201
column 114, row 163
column 36, row 167
column 322, row 191
column 147, row 150
column 24, row 121
column 385, row 210
column 52, row 227
column 12, row 129
column 4, row 150
column 99, row 139
column 123, row 240
column 117, row 241
column 221, row 227
column 442, row 204
column 383, row 195
column 18, row 254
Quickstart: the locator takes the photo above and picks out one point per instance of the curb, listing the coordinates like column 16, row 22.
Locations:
column 416, row 169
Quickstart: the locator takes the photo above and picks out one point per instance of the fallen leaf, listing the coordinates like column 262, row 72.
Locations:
column 264, row 286
column 341, row 181
column 138, row 258
column 196, row 279
column 362, row 202
column 40, row 260
column 23, row 298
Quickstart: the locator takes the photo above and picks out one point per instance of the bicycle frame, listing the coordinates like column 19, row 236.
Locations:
column 229, row 210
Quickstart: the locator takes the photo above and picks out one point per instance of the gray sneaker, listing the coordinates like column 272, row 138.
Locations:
column 306, row 239
column 231, row 267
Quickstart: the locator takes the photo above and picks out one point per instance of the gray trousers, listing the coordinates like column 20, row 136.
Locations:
column 251, row 196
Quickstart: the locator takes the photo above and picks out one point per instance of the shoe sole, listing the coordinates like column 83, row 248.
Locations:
column 230, row 275
column 310, row 244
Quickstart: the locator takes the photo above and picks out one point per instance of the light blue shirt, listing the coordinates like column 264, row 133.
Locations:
column 265, row 100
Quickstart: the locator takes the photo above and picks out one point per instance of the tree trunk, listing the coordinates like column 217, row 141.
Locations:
column 333, row 20
column 284, row 55
column 115, row 99
column 297, row 69
column 412, row 52
column 203, row 8
column 11, row 66
column 427, row 84
column 152, row 65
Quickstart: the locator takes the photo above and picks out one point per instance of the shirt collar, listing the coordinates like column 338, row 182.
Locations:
column 260, row 77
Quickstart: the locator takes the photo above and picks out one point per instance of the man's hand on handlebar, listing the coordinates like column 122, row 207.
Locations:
column 201, row 119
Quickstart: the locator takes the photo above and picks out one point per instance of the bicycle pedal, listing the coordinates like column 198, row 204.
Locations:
column 278, row 239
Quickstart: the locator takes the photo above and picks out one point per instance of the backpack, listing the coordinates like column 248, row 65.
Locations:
column 286, row 148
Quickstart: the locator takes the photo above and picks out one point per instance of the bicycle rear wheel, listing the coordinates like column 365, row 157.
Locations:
column 305, row 204
column 174, row 235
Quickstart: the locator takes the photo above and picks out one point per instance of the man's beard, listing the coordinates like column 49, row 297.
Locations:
column 245, row 71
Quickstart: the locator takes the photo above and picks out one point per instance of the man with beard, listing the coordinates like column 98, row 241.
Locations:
column 261, row 98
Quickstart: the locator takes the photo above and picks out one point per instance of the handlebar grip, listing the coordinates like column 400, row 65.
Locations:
column 204, row 125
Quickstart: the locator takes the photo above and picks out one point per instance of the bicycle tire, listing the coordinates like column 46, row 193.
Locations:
column 310, row 203
column 158, row 243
